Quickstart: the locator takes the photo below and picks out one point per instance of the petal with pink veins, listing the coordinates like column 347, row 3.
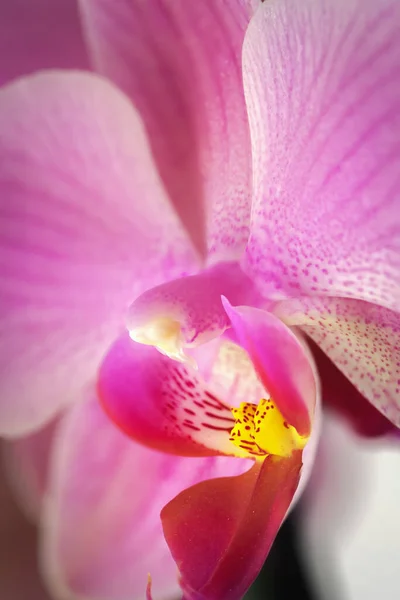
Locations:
column 322, row 84
column 281, row 361
column 40, row 34
column 102, row 532
column 180, row 62
column 166, row 405
column 244, row 514
column 85, row 227
column 362, row 339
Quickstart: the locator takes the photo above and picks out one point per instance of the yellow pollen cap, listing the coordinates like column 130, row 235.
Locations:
column 261, row 430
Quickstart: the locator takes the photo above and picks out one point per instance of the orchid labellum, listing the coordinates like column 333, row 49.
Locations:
column 184, row 227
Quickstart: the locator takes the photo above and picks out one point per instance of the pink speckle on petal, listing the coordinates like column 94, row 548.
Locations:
column 362, row 339
column 325, row 214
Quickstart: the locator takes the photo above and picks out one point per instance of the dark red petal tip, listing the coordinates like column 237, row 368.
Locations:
column 220, row 531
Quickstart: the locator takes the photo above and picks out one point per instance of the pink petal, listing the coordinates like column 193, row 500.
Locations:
column 281, row 362
column 180, row 62
column 362, row 339
column 102, row 532
column 322, row 79
column 38, row 34
column 194, row 303
column 85, row 228
column 341, row 396
column 243, row 513
column 166, row 405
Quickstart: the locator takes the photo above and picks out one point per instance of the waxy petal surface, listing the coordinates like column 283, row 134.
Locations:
column 362, row 339
column 180, row 62
column 102, row 529
column 281, row 362
column 39, row 35
column 243, row 513
column 85, row 226
column 166, row 405
column 322, row 83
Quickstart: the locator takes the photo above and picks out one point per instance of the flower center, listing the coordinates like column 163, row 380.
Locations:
column 187, row 312
column 261, row 430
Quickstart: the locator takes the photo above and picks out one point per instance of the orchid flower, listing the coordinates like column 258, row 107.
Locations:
column 175, row 227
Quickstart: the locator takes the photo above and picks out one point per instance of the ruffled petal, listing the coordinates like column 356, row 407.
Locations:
column 39, row 34
column 244, row 514
column 166, row 405
column 322, row 82
column 102, row 532
column 85, row 228
column 362, row 339
column 180, row 62
column 281, row 362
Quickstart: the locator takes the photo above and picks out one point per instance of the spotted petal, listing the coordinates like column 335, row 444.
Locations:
column 343, row 398
column 322, row 81
column 85, row 226
column 362, row 339
column 180, row 62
